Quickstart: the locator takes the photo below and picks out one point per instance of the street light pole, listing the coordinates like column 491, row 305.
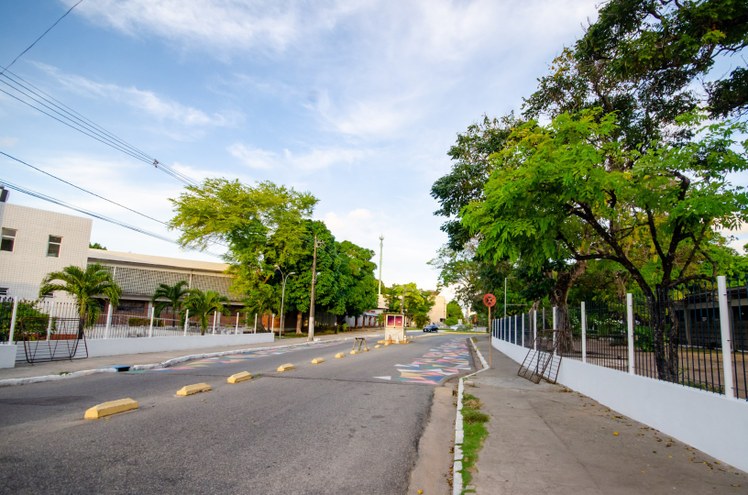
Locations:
column 283, row 298
column 310, row 336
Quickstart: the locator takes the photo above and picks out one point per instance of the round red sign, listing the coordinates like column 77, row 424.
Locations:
column 489, row 300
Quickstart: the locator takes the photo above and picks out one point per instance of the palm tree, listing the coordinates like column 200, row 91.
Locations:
column 201, row 304
column 85, row 286
column 173, row 295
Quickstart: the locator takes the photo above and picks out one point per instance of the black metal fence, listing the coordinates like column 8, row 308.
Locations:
column 690, row 347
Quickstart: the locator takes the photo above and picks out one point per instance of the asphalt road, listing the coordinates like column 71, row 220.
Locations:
column 348, row 425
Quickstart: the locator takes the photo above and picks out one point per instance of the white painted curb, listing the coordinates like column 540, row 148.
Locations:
column 459, row 431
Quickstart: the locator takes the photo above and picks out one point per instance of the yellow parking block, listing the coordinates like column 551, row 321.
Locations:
column 195, row 388
column 381, row 341
column 239, row 377
column 377, row 346
column 285, row 367
column 354, row 351
column 339, row 355
column 318, row 360
column 109, row 408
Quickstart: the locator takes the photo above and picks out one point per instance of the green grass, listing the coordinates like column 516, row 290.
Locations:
column 475, row 432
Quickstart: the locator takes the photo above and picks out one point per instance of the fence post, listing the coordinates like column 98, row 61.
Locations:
column 555, row 320
column 724, row 326
column 186, row 321
column 236, row 329
column 535, row 330
column 150, row 328
column 584, row 333
column 523, row 330
column 516, row 337
column 272, row 323
column 255, row 330
column 213, row 331
column 630, row 332
column 13, row 317
column 108, row 320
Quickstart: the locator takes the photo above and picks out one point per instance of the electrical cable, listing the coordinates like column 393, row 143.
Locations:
column 82, row 189
column 59, row 202
column 42, row 35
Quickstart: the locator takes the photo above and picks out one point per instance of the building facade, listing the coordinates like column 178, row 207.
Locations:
column 35, row 243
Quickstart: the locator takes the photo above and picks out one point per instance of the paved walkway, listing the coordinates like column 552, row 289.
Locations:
column 547, row 439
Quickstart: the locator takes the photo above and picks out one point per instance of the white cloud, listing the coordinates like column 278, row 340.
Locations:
column 161, row 108
column 308, row 161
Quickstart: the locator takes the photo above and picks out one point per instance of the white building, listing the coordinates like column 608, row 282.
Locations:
column 35, row 243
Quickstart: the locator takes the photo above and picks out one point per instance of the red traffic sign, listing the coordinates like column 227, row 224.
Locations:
column 489, row 300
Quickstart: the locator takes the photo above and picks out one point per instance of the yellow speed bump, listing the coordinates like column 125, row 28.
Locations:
column 239, row 377
column 285, row 367
column 381, row 341
column 339, row 355
column 377, row 346
column 353, row 352
column 195, row 388
column 318, row 360
column 109, row 408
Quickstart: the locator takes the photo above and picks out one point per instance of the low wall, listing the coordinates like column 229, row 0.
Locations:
column 707, row 421
column 114, row 347
column 7, row 355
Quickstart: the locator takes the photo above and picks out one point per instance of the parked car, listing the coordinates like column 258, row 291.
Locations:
column 433, row 327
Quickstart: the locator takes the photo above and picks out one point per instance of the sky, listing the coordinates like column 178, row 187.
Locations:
column 356, row 102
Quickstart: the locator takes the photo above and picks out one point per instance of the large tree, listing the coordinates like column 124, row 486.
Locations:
column 86, row 286
column 572, row 184
column 261, row 226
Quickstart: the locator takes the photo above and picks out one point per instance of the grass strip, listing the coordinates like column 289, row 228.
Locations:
column 475, row 432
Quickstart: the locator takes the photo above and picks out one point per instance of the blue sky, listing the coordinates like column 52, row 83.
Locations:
column 356, row 102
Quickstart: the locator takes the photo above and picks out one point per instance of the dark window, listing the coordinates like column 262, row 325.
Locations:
column 53, row 249
column 8, row 240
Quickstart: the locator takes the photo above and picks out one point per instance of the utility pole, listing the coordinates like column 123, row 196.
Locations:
column 381, row 244
column 310, row 337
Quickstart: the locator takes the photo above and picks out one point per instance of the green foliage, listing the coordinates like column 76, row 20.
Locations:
column 475, row 432
column 203, row 304
column 417, row 303
column 32, row 323
column 85, row 286
column 173, row 295
column 96, row 245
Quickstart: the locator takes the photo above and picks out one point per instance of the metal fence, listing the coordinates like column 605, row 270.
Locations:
column 41, row 319
column 700, row 322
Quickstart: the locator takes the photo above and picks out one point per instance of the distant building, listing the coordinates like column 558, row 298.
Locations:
column 438, row 312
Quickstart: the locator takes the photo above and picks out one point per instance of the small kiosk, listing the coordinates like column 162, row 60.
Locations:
column 394, row 329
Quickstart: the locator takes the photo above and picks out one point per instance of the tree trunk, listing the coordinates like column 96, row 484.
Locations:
column 299, row 319
column 664, row 334
column 559, row 298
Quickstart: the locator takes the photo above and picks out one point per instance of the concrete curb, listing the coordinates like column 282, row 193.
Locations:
column 9, row 382
column 459, row 431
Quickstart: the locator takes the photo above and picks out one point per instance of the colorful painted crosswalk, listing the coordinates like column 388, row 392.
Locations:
column 449, row 359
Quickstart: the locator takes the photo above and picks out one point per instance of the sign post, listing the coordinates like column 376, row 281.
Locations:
column 489, row 300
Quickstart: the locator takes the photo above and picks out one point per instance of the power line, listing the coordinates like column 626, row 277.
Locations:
column 42, row 35
column 59, row 202
column 30, row 95
column 85, row 212
column 82, row 189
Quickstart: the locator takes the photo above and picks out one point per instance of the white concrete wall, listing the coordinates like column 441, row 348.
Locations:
column 7, row 355
column 114, row 347
column 707, row 421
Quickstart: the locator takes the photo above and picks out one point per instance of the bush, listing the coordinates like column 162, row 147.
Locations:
column 137, row 321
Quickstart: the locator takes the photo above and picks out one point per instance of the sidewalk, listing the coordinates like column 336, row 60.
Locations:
column 27, row 373
column 547, row 439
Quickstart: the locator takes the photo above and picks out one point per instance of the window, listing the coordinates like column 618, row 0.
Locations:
column 3, row 291
column 53, row 249
column 8, row 240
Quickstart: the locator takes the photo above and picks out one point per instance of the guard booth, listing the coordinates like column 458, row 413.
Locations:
column 394, row 328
